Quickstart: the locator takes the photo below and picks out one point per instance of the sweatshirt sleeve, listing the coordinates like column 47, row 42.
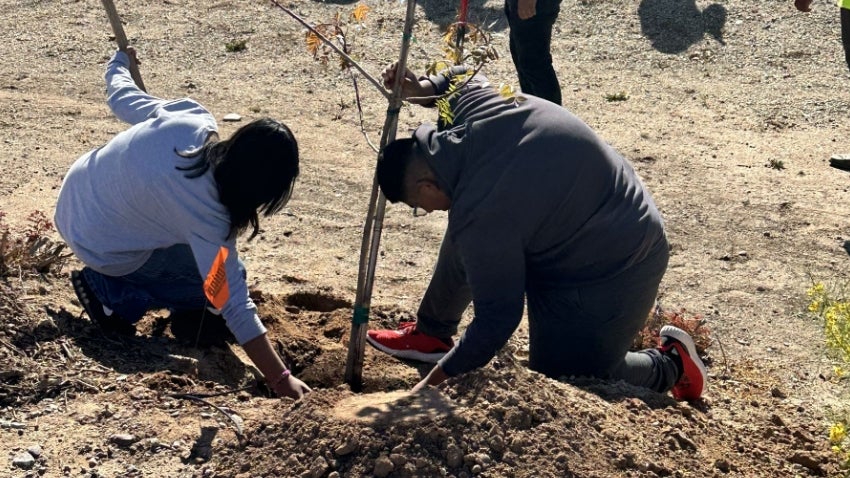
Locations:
column 126, row 100
column 443, row 80
column 495, row 269
column 226, row 284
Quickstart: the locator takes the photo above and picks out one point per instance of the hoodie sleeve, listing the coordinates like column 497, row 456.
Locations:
column 495, row 268
column 226, row 288
column 443, row 80
column 126, row 100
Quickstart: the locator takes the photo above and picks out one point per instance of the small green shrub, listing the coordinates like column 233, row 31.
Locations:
column 834, row 309
column 620, row 96
column 234, row 46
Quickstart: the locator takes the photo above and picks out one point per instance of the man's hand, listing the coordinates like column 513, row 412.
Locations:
column 435, row 377
column 411, row 87
column 802, row 5
column 290, row 387
column 528, row 8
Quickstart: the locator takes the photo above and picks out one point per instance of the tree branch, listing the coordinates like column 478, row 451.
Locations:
column 350, row 60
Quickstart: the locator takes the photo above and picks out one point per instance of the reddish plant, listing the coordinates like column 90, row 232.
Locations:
column 30, row 248
column 694, row 325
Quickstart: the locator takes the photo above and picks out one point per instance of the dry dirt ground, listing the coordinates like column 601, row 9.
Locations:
column 732, row 110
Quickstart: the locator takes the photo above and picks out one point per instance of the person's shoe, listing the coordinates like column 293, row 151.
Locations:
column 693, row 378
column 97, row 312
column 840, row 161
column 408, row 343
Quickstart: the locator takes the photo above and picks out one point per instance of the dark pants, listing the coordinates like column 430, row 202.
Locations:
column 845, row 34
column 572, row 331
column 168, row 280
column 530, row 42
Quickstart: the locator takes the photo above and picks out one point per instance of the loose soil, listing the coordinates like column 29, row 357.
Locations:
column 730, row 112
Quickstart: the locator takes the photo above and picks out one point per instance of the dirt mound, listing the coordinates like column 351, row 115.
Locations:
column 507, row 421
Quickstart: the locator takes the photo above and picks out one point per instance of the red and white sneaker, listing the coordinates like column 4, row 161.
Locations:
column 692, row 382
column 408, row 343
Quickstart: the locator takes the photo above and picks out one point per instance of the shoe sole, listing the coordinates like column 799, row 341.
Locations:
column 407, row 354
column 89, row 301
column 84, row 295
column 683, row 338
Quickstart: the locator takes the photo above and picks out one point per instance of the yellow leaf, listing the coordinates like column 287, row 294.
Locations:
column 506, row 90
column 359, row 13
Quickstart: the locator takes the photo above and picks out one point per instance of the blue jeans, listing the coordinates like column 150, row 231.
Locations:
column 168, row 280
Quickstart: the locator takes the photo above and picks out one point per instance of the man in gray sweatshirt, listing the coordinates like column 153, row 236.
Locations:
column 543, row 211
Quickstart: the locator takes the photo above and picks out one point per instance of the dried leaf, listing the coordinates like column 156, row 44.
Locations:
column 359, row 13
column 313, row 43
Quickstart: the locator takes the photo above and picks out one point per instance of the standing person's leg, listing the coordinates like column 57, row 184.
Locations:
column 530, row 44
column 588, row 331
column 845, row 34
column 169, row 279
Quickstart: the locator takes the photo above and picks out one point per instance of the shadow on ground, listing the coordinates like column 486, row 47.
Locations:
column 672, row 26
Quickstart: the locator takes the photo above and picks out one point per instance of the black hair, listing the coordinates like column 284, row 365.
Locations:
column 392, row 168
column 254, row 170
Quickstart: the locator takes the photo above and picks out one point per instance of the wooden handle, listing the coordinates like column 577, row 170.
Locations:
column 121, row 39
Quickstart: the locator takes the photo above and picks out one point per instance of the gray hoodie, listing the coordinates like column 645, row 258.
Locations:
column 122, row 201
column 540, row 204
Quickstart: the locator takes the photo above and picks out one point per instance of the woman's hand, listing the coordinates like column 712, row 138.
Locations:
column 291, row 387
column 133, row 55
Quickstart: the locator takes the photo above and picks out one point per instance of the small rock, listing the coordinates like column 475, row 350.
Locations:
column 383, row 466
column 232, row 117
column 808, row 460
column 347, row 447
column 35, row 451
column 776, row 392
column 454, row 457
column 497, row 444
column 398, row 459
column 319, row 467
column 777, row 420
column 723, row 465
column 683, row 440
column 24, row 461
column 123, row 439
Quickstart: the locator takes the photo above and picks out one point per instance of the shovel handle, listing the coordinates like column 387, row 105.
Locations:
column 121, row 39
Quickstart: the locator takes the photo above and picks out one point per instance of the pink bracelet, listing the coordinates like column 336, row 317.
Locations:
column 283, row 376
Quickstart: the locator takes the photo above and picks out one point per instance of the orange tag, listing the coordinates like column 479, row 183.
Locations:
column 215, row 285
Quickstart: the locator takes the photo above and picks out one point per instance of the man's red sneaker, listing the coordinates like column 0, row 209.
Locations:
column 408, row 343
column 692, row 382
